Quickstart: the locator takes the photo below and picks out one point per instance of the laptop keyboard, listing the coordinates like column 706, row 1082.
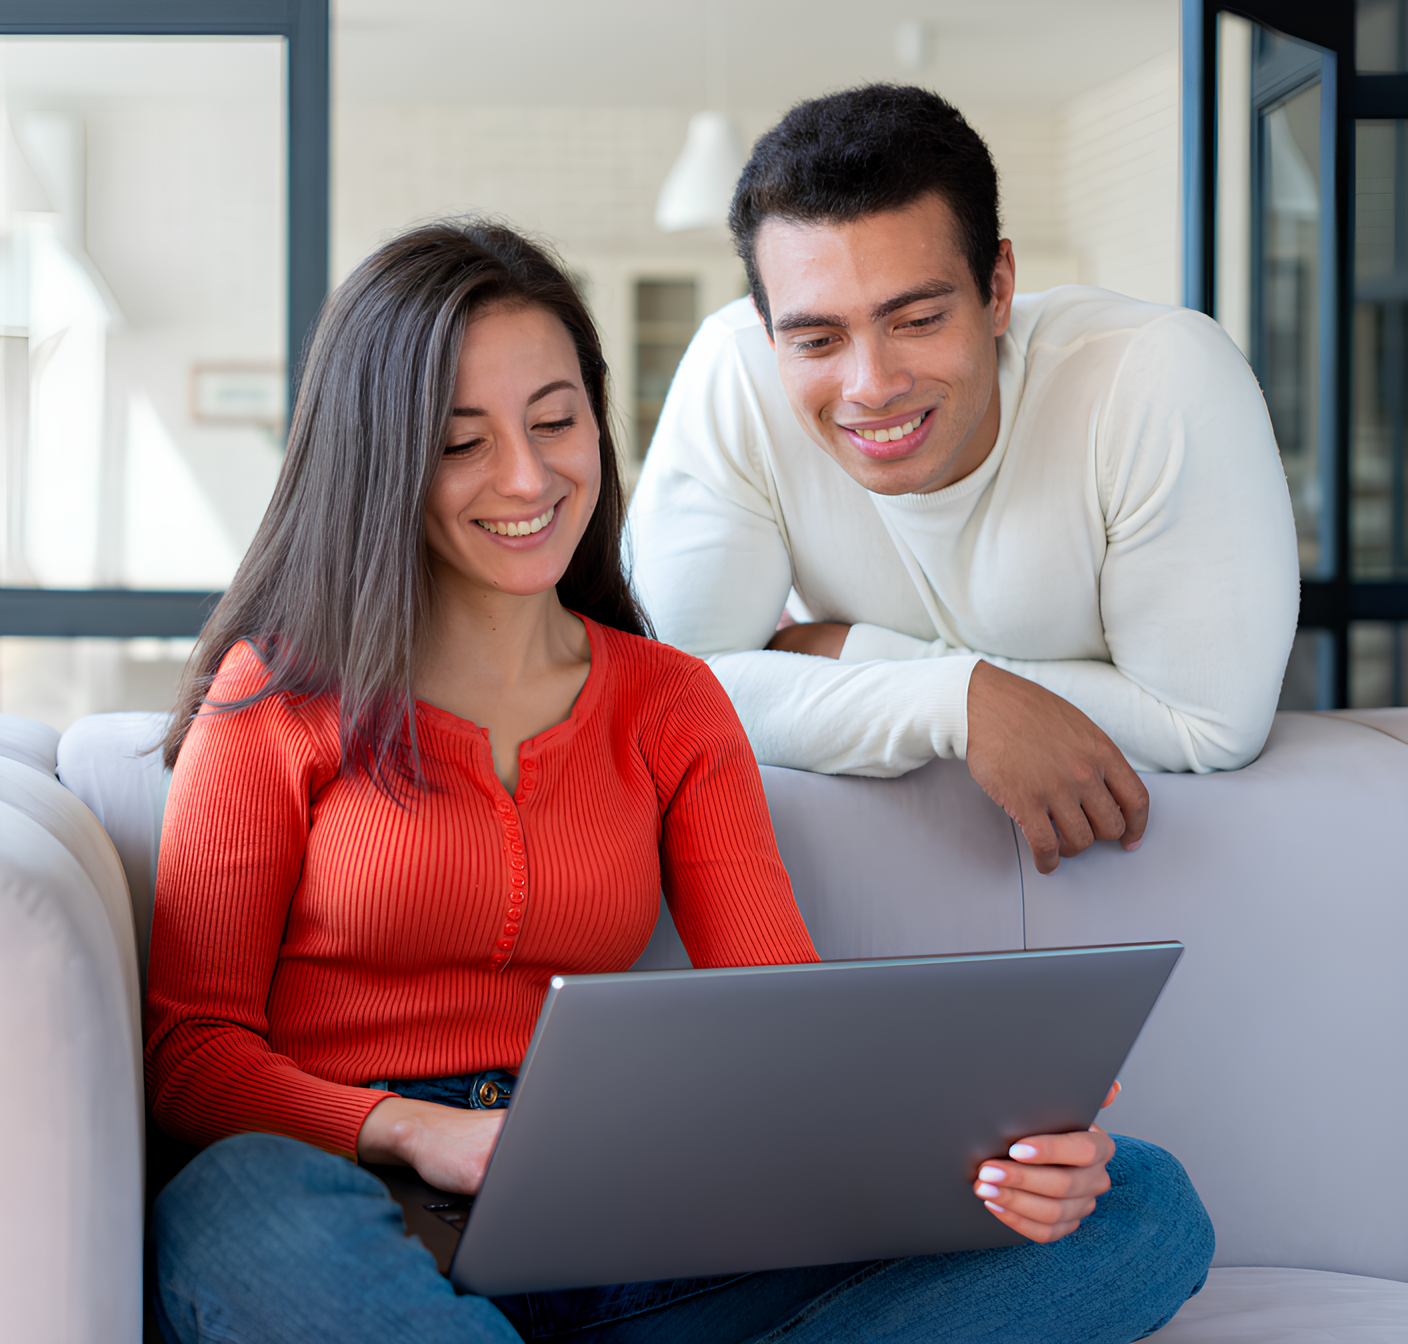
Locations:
column 453, row 1211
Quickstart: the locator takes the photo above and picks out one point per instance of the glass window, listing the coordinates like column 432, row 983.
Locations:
column 142, row 319
column 1380, row 35
column 666, row 320
column 142, row 289
column 1380, row 548
column 1376, row 677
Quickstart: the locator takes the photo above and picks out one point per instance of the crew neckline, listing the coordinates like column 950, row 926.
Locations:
column 582, row 706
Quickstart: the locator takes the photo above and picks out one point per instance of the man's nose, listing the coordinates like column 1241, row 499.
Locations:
column 872, row 379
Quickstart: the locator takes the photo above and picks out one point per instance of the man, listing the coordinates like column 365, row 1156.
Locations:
column 1049, row 533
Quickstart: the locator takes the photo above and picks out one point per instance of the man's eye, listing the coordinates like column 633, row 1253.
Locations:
column 813, row 343
column 919, row 323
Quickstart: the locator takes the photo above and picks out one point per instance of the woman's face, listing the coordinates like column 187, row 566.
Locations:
column 522, row 467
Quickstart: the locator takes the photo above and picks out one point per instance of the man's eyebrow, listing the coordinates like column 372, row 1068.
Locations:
column 933, row 289
column 547, row 389
column 796, row 321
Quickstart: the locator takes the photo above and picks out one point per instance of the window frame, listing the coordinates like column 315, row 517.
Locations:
column 305, row 27
column 1330, row 603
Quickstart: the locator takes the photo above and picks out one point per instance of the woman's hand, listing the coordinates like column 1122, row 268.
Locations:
column 1051, row 1183
column 448, row 1147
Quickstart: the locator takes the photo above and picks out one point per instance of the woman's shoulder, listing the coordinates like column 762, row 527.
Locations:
column 647, row 661
column 660, row 682
column 241, row 673
column 241, row 706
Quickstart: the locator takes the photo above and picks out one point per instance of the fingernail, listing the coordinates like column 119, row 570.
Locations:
column 988, row 1191
column 1135, row 846
column 992, row 1174
column 1021, row 1151
column 996, row 1208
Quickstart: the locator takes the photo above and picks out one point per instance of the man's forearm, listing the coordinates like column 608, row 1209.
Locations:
column 878, row 718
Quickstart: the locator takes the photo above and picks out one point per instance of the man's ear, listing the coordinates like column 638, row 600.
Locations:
column 767, row 326
column 1004, row 286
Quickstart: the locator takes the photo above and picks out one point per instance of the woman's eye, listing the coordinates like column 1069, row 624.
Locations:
column 554, row 426
column 459, row 449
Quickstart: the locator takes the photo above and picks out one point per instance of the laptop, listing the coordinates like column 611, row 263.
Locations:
column 687, row 1124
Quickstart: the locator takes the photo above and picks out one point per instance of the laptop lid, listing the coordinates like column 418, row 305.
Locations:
column 681, row 1124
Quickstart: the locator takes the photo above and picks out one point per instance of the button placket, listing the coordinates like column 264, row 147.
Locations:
column 516, row 853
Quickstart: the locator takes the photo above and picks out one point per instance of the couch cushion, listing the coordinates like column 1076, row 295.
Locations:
column 1291, row 1306
column 107, row 760
column 28, row 741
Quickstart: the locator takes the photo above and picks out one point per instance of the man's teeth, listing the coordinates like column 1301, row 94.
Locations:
column 890, row 435
column 518, row 529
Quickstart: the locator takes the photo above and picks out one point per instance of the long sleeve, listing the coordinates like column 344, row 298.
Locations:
column 232, row 849
column 724, row 882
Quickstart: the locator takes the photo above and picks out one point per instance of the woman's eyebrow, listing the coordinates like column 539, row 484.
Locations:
column 546, row 390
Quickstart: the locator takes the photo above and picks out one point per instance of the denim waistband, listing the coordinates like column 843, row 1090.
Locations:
column 487, row 1090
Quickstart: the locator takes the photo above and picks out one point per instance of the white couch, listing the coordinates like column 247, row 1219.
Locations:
column 1274, row 1066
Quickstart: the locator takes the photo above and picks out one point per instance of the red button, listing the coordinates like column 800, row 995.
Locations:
column 516, row 863
column 507, row 945
column 510, row 928
column 514, row 914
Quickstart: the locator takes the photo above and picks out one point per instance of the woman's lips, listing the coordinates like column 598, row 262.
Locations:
column 526, row 539
column 892, row 448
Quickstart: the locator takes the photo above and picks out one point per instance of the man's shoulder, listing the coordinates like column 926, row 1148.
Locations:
column 1070, row 316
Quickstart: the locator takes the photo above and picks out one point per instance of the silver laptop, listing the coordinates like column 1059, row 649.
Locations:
column 685, row 1124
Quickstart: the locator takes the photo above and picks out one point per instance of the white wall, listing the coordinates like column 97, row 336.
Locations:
column 1119, row 181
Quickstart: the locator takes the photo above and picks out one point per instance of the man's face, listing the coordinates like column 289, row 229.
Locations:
column 886, row 350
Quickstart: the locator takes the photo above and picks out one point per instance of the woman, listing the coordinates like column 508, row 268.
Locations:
column 426, row 758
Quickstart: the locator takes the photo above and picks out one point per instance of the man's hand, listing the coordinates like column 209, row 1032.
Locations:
column 450, row 1148
column 1050, row 1183
column 1050, row 768
column 823, row 639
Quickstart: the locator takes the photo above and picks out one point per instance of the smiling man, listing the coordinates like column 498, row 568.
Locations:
column 1049, row 533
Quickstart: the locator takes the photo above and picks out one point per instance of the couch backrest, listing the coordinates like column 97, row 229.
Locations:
column 109, row 761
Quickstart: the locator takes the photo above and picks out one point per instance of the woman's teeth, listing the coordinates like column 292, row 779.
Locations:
column 890, row 435
column 518, row 529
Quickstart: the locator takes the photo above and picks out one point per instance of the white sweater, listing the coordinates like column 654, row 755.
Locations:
column 1128, row 544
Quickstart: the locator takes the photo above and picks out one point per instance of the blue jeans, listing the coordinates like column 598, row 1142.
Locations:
column 265, row 1240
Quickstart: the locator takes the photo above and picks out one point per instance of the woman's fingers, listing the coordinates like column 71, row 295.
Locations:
column 1047, row 1183
column 1032, row 1230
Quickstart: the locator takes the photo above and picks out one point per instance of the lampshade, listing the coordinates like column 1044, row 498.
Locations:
column 699, row 187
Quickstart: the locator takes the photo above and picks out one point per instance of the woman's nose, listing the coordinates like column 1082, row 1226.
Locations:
column 522, row 473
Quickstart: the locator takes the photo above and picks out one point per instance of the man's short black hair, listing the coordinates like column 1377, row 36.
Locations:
column 881, row 147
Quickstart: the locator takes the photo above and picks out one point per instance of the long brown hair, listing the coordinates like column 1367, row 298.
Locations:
column 334, row 591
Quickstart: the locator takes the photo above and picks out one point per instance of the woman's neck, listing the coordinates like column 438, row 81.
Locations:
column 513, row 665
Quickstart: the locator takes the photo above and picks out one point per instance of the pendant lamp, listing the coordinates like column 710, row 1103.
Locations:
column 699, row 188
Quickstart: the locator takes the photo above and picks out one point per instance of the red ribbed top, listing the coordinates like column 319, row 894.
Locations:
column 311, row 935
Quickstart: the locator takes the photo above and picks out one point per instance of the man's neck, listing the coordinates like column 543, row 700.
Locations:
column 975, row 449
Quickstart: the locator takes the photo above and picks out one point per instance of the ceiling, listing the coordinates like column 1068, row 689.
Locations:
column 990, row 54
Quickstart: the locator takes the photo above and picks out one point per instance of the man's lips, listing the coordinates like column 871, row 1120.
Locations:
column 882, row 447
